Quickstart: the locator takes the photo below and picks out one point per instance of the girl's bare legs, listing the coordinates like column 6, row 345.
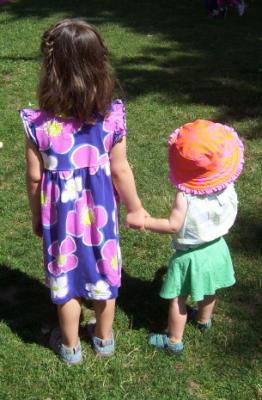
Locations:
column 205, row 309
column 105, row 312
column 69, row 316
column 177, row 317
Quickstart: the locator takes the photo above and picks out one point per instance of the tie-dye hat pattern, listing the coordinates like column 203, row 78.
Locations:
column 204, row 157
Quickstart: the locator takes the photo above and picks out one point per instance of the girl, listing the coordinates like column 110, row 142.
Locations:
column 76, row 157
column 205, row 158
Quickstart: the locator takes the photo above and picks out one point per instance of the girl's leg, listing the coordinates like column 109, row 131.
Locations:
column 69, row 316
column 105, row 312
column 177, row 317
column 205, row 309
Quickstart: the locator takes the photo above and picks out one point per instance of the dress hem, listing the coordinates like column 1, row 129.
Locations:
column 195, row 297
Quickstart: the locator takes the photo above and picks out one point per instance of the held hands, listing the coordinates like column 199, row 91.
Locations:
column 136, row 219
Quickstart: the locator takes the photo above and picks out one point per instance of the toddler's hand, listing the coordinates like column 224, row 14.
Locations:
column 136, row 219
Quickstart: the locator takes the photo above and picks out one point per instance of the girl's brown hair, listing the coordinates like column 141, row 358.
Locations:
column 76, row 78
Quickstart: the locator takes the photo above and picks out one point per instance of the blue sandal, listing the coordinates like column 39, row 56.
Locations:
column 70, row 355
column 102, row 347
column 192, row 317
column 162, row 341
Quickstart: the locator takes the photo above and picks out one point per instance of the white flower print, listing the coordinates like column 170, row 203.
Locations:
column 106, row 168
column 50, row 162
column 58, row 287
column 119, row 255
column 72, row 187
column 98, row 291
column 114, row 221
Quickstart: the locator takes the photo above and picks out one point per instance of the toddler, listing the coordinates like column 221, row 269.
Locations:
column 205, row 158
column 76, row 164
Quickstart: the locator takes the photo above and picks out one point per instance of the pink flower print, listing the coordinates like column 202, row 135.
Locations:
column 58, row 135
column 115, row 121
column 86, row 220
column 109, row 265
column 108, row 141
column 65, row 174
column 64, row 259
column 88, row 156
column 49, row 197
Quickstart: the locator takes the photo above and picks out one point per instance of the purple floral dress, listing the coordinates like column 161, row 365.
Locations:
column 79, row 211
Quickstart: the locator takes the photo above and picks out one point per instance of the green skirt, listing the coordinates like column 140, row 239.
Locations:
column 199, row 272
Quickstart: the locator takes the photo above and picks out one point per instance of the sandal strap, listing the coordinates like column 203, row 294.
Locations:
column 158, row 340
column 162, row 341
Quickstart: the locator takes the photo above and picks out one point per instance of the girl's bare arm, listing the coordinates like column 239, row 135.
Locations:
column 34, row 170
column 174, row 223
column 124, row 182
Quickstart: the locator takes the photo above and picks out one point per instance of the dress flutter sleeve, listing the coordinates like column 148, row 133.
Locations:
column 120, row 128
column 115, row 124
column 28, row 118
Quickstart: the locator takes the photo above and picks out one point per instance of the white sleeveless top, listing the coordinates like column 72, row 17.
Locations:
column 208, row 218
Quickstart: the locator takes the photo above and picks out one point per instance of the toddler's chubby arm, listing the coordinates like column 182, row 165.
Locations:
column 123, row 180
column 174, row 223
column 34, row 170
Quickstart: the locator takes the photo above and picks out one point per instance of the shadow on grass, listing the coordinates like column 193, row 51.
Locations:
column 200, row 61
column 237, row 333
column 25, row 305
column 243, row 325
column 140, row 300
column 20, row 58
column 246, row 235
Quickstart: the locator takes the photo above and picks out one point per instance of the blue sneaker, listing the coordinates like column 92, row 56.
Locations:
column 102, row 347
column 70, row 355
column 162, row 341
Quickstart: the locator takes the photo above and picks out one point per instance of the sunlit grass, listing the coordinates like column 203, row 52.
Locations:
column 175, row 65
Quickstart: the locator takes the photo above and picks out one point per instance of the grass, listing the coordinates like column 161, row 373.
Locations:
column 175, row 65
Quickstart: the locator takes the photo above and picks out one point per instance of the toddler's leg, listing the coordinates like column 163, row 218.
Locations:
column 69, row 315
column 177, row 317
column 205, row 309
column 105, row 312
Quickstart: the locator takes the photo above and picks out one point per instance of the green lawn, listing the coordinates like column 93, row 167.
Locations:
column 175, row 64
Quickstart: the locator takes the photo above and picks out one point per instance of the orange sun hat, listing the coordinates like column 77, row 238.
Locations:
column 204, row 157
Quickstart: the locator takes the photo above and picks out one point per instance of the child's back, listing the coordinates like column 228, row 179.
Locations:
column 208, row 217
column 78, row 202
column 71, row 181
column 205, row 159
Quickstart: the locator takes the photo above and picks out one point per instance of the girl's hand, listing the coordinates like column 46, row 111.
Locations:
column 37, row 226
column 136, row 219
